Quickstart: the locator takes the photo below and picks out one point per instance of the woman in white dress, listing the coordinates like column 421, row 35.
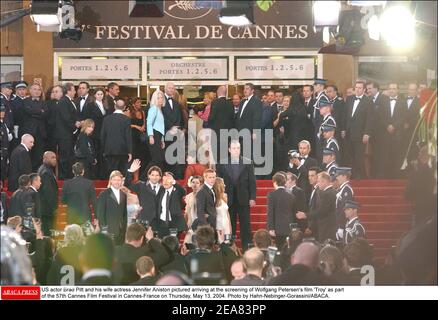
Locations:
column 194, row 182
column 223, row 217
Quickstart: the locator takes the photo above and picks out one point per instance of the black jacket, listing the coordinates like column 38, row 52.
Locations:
column 172, row 117
column 78, row 194
column 245, row 187
column 82, row 115
column 66, row 118
column 362, row 121
column 397, row 120
column 112, row 214
column 302, row 173
column 248, row 280
column 127, row 255
column 109, row 104
column 301, row 203
column 205, row 205
column 16, row 203
column 97, row 281
column 33, row 198
column 175, row 207
column 325, row 214
column 20, row 164
column 281, row 211
column 177, row 263
column 48, row 191
column 146, row 196
column 84, row 149
column 94, row 113
column 221, row 114
column 340, row 114
column 116, row 135
column 299, row 275
column 35, row 114
column 251, row 116
column 146, row 281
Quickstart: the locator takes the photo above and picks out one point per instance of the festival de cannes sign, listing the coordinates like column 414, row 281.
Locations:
column 107, row 24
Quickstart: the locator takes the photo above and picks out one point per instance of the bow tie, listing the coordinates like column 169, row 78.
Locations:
column 35, row 100
column 393, row 99
column 357, row 98
column 82, row 98
column 410, row 98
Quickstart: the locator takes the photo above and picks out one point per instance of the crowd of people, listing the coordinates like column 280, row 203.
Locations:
column 130, row 232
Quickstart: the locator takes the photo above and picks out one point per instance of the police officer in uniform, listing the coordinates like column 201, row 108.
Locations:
column 353, row 227
column 5, row 100
column 345, row 193
column 325, row 106
column 18, row 106
column 6, row 137
column 328, row 133
column 329, row 164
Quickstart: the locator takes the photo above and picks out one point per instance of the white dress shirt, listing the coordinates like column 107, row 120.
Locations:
column 356, row 103
column 116, row 193
column 244, row 105
column 82, row 102
column 169, row 98
column 100, row 106
column 393, row 102
column 212, row 191
column 164, row 205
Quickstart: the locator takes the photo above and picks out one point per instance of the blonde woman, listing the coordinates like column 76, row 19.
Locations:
column 84, row 148
column 194, row 182
column 205, row 134
column 223, row 221
column 112, row 208
column 155, row 129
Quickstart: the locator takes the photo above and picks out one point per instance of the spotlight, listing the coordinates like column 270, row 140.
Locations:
column 397, row 27
column 46, row 13
column 237, row 13
column 326, row 13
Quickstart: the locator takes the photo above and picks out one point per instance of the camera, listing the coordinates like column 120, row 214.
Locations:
column 272, row 252
column 173, row 232
column 294, row 227
column 293, row 154
column 144, row 223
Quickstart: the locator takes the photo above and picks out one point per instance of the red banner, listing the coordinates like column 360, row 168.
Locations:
column 20, row 293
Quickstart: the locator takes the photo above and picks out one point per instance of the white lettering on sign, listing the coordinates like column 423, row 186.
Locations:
column 272, row 69
column 182, row 69
column 100, row 69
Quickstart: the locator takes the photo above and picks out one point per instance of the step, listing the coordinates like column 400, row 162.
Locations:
column 389, row 219
column 378, row 183
column 385, row 226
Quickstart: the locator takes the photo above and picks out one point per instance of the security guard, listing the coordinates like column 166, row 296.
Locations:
column 353, row 228
column 18, row 105
column 329, row 162
column 5, row 100
column 345, row 193
column 6, row 137
column 325, row 106
column 328, row 133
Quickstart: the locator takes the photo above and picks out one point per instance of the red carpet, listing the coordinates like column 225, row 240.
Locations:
column 384, row 212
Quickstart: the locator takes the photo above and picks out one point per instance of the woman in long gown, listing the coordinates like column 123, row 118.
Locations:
column 223, row 221
column 194, row 182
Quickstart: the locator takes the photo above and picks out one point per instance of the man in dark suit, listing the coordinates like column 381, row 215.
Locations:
column 281, row 210
column 301, row 203
column 139, row 242
column 78, row 194
column 116, row 139
column 206, row 202
column 32, row 197
column 16, row 203
column 170, row 207
column 221, row 117
column 20, row 162
column 83, row 101
column 113, row 91
column 304, row 268
column 411, row 119
column 67, row 124
column 96, row 260
column 393, row 118
column 313, row 197
column 147, row 191
column 146, row 271
column 307, row 101
column 254, row 260
column 324, row 213
column 52, row 106
column 111, row 208
column 299, row 164
column 240, row 186
column 249, row 117
column 48, row 191
column 381, row 103
column 359, row 128
column 177, row 260
column 35, row 113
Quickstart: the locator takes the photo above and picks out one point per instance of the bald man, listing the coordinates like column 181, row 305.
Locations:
column 48, row 191
column 221, row 117
column 20, row 162
column 254, row 261
column 304, row 269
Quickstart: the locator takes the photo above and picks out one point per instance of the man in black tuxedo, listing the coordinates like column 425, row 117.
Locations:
column 392, row 117
column 301, row 203
column 411, row 119
column 146, row 271
column 111, row 208
column 173, row 121
column 32, row 198
column 78, row 194
column 139, row 243
column 325, row 211
column 307, row 101
column 147, row 191
column 313, row 198
column 206, row 201
column 116, row 139
column 249, row 118
column 48, row 191
column 35, row 113
column 281, row 210
column 83, row 101
column 67, row 124
column 16, row 203
column 52, row 106
column 221, row 117
column 96, row 260
column 381, row 103
column 170, row 207
column 113, row 91
column 19, row 162
column 299, row 164
column 359, row 128
column 240, row 186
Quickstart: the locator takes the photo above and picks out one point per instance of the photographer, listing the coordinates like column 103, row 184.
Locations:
column 331, row 262
column 135, row 247
column 254, row 260
column 146, row 271
column 177, row 261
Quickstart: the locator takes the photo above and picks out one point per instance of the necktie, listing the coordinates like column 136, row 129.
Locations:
column 167, row 206
column 155, row 189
